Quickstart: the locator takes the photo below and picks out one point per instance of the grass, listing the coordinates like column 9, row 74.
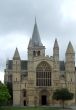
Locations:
column 29, row 108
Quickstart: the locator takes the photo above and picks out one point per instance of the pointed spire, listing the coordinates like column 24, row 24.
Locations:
column 35, row 36
column 70, row 48
column 56, row 50
column 16, row 55
column 56, row 44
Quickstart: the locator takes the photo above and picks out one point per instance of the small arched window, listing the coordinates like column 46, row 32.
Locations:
column 34, row 53
column 38, row 53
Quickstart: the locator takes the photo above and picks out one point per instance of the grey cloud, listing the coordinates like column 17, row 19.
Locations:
column 17, row 17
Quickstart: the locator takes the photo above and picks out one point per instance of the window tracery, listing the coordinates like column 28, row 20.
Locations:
column 43, row 74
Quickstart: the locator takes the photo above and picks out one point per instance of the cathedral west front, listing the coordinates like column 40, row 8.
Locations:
column 34, row 80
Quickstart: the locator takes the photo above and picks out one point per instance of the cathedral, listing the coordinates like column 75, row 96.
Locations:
column 34, row 80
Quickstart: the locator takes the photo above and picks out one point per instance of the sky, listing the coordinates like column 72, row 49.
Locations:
column 55, row 19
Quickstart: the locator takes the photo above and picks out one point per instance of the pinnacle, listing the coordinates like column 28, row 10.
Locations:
column 16, row 55
column 70, row 48
column 56, row 44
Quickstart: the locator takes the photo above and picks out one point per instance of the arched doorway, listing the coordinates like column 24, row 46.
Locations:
column 24, row 97
column 44, row 97
column 43, row 100
column 24, row 102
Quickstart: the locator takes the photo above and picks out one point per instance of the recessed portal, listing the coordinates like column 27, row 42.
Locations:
column 24, row 103
column 43, row 100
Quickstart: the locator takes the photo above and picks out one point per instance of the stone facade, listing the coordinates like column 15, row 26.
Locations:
column 34, row 80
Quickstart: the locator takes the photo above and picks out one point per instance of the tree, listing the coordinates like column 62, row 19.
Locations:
column 9, row 87
column 62, row 94
column 4, row 94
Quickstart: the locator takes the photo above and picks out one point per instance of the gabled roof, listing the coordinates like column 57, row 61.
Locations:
column 62, row 66
column 24, row 64
column 10, row 63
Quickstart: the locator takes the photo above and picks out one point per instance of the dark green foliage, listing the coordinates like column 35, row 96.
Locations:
column 9, row 87
column 4, row 94
column 62, row 94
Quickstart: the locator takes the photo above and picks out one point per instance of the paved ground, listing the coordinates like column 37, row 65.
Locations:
column 73, row 107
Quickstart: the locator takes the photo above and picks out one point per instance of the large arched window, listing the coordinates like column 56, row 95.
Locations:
column 43, row 74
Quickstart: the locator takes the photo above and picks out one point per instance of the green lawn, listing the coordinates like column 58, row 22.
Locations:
column 29, row 108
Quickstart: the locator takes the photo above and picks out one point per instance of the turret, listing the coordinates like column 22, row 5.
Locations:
column 70, row 53
column 16, row 77
column 35, row 47
column 56, row 69
column 16, row 65
column 56, row 50
column 70, row 58
column 70, row 66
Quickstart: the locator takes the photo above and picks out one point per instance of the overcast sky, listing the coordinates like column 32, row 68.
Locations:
column 55, row 19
